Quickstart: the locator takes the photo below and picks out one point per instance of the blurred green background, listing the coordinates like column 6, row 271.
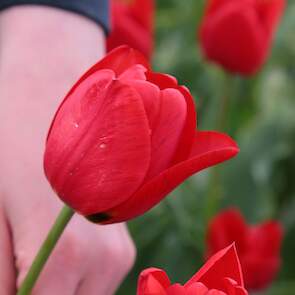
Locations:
column 260, row 181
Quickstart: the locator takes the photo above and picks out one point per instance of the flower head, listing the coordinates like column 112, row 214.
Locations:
column 124, row 137
column 238, row 34
column 221, row 275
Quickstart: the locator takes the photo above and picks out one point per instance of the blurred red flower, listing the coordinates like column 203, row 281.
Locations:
column 238, row 34
column 221, row 275
column 133, row 25
column 258, row 246
column 124, row 137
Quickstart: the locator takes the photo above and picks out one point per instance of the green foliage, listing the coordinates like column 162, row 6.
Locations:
column 260, row 181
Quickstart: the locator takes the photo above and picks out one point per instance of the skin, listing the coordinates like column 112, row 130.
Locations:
column 43, row 51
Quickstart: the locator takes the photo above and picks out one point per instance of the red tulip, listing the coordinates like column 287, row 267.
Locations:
column 258, row 246
column 221, row 275
column 133, row 25
column 238, row 34
column 124, row 137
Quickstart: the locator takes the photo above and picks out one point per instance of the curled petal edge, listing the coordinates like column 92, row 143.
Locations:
column 223, row 264
column 159, row 278
column 210, row 148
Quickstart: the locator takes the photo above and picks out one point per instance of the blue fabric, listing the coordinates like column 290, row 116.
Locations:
column 97, row 10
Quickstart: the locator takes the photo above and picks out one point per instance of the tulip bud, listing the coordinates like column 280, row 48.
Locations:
column 238, row 34
column 124, row 137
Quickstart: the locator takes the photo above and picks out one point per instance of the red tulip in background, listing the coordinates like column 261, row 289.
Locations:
column 238, row 34
column 258, row 246
column 124, row 137
column 133, row 25
column 221, row 275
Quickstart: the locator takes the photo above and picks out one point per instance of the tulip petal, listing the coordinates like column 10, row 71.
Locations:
column 210, row 148
column 150, row 95
column 118, row 60
column 132, row 24
column 224, row 263
column 228, row 227
column 167, row 113
column 270, row 12
column 217, row 292
column 176, row 289
column 146, row 19
column 185, row 141
column 263, row 255
column 149, row 92
column 136, row 72
column 67, row 119
column 130, row 33
column 167, row 130
column 234, row 38
column 162, row 80
column 153, row 281
column 259, row 271
column 196, row 288
column 233, row 288
column 187, row 137
column 104, row 127
column 266, row 238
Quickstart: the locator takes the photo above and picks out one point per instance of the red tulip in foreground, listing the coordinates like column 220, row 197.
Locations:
column 221, row 275
column 133, row 25
column 124, row 137
column 258, row 246
column 238, row 34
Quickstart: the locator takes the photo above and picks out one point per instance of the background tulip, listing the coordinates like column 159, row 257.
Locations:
column 238, row 34
column 260, row 116
column 221, row 275
column 258, row 246
column 133, row 25
column 124, row 137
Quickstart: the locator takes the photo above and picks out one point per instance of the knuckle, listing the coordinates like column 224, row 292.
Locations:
column 69, row 254
column 71, row 250
column 122, row 253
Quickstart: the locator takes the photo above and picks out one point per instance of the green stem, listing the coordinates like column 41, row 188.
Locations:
column 44, row 252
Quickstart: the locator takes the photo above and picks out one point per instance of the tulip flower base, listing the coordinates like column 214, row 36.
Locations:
column 46, row 249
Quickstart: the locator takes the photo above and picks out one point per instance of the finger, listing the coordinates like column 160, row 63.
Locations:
column 64, row 268
column 7, row 272
column 112, row 258
column 98, row 283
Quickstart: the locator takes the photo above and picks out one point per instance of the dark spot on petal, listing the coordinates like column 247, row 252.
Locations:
column 99, row 217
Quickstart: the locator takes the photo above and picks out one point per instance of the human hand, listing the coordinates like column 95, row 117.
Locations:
column 36, row 70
